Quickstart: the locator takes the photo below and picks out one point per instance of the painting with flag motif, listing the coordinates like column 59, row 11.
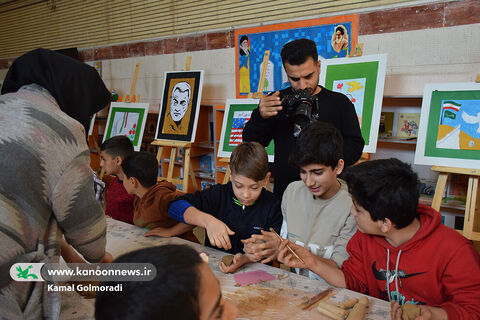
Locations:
column 127, row 119
column 237, row 113
column 450, row 117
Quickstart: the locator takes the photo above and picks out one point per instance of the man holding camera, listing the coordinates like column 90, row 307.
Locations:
column 273, row 120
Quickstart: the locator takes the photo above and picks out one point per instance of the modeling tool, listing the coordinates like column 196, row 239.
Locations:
column 288, row 247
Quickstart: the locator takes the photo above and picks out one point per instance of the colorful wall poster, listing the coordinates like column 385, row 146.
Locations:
column 180, row 106
column 362, row 80
column 449, row 133
column 127, row 119
column 335, row 37
column 237, row 113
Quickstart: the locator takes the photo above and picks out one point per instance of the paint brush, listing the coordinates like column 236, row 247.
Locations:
column 288, row 247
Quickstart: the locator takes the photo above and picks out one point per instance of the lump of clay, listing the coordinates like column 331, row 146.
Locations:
column 227, row 260
column 412, row 311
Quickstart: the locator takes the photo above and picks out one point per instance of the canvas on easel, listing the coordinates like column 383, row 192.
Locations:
column 180, row 106
column 237, row 113
column 361, row 79
column 127, row 119
column 449, row 140
column 449, row 130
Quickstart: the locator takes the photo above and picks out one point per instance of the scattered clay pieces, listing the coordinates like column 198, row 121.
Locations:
column 204, row 256
column 227, row 260
column 348, row 303
column 359, row 309
column 281, row 276
column 412, row 311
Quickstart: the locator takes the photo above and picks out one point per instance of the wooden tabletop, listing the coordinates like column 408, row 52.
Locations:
column 276, row 299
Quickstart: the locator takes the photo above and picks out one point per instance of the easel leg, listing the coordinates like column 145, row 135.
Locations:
column 439, row 190
column 188, row 170
column 471, row 225
column 173, row 153
column 159, row 157
column 226, row 178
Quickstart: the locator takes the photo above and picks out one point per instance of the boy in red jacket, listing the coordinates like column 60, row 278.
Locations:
column 401, row 251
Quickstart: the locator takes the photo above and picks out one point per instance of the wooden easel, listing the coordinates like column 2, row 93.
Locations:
column 128, row 98
column 173, row 145
column 187, row 164
column 263, row 72
column 471, row 225
column 226, row 178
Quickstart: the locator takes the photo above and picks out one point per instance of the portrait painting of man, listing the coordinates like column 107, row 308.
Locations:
column 180, row 105
column 177, row 119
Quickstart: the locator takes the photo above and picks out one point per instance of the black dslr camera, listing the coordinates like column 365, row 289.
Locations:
column 302, row 106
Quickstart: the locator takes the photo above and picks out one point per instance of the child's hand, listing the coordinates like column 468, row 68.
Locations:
column 395, row 311
column 107, row 258
column 218, row 233
column 262, row 246
column 238, row 261
column 426, row 312
column 158, row 232
column 288, row 259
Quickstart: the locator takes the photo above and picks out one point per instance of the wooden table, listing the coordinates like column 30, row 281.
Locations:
column 277, row 299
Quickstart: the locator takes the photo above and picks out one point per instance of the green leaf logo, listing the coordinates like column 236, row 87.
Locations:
column 23, row 274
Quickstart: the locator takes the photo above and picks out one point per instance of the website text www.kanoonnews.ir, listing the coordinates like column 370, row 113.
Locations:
column 83, row 276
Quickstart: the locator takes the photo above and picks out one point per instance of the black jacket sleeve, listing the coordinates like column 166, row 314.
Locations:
column 205, row 200
column 352, row 137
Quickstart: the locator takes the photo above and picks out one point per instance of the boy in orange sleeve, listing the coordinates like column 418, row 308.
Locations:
column 140, row 172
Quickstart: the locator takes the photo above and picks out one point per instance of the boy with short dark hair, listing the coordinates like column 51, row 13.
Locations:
column 236, row 210
column 119, row 204
column 401, row 251
column 140, row 171
column 184, row 288
column 316, row 210
column 272, row 120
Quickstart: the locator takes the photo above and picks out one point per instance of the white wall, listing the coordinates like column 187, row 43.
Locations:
column 424, row 56
column 218, row 66
column 449, row 54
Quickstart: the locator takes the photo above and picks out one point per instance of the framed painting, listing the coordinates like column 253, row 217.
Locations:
column 127, row 119
column 237, row 113
column 362, row 80
column 335, row 37
column 449, row 130
column 180, row 106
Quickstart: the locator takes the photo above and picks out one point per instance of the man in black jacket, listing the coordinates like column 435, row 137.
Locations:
column 271, row 120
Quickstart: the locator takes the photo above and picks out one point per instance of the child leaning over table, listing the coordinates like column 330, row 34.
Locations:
column 401, row 251
column 140, row 172
column 236, row 210
column 316, row 210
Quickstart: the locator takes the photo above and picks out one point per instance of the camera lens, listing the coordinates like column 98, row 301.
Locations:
column 303, row 114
